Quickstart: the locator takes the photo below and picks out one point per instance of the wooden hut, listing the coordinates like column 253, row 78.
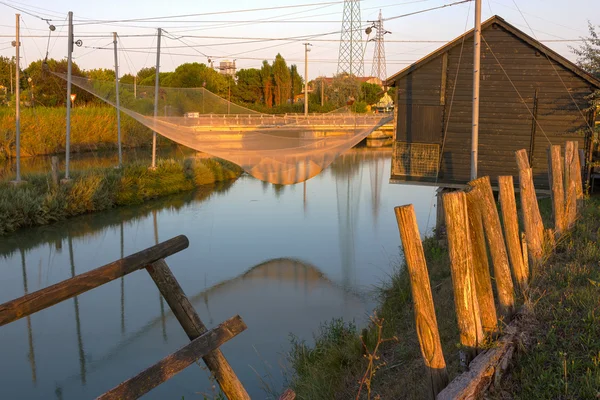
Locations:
column 530, row 97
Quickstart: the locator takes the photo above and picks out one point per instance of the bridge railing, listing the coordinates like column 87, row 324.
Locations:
column 273, row 120
column 204, row 343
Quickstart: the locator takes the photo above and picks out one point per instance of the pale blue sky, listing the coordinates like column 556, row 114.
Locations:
column 550, row 19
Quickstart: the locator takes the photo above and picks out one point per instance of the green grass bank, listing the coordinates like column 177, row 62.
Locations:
column 92, row 128
column 40, row 202
column 565, row 327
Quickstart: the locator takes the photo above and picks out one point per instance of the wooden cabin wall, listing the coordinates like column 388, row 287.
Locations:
column 506, row 125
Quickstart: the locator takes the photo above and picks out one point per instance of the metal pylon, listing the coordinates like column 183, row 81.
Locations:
column 379, row 70
column 350, row 59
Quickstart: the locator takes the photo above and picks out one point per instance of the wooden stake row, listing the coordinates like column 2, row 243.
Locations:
column 472, row 221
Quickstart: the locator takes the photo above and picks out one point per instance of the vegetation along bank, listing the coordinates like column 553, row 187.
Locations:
column 559, row 360
column 41, row 201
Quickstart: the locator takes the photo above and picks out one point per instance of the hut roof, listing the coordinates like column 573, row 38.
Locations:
column 510, row 28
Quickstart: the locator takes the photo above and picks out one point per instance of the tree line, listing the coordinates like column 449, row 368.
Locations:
column 275, row 87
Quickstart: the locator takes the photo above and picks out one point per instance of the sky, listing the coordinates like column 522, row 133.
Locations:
column 231, row 32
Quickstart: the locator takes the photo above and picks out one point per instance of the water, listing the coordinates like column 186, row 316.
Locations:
column 284, row 258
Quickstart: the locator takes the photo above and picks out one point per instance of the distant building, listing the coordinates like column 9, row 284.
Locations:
column 227, row 68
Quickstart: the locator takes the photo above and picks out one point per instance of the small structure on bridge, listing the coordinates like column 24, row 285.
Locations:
column 530, row 97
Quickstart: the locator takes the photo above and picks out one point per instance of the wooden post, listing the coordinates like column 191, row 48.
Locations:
column 511, row 230
column 54, row 170
column 495, row 240
column 524, row 250
column 461, row 265
column 577, row 167
column 171, row 365
column 44, row 298
column 426, row 322
column 534, row 228
column 570, row 185
column 481, row 267
column 194, row 328
column 555, row 177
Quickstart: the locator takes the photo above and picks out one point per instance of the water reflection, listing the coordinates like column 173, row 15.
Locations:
column 284, row 258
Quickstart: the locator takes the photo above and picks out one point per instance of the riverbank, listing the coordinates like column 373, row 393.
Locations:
column 40, row 202
column 334, row 366
column 562, row 354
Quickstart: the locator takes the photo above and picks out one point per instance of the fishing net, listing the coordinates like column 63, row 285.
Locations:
column 281, row 149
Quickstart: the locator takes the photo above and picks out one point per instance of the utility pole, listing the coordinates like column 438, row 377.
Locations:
column 306, row 50
column 118, row 109
column 322, row 92
column 135, row 86
column 11, row 77
column 18, row 100
column 69, row 70
column 156, row 98
column 476, row 71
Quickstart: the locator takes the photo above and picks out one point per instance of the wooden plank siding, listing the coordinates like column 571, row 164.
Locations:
column 506, row 112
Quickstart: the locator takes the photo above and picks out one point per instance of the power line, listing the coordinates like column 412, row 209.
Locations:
column 428, row 9
column 153, row 19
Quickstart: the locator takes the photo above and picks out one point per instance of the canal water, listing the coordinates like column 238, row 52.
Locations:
column 285, row 258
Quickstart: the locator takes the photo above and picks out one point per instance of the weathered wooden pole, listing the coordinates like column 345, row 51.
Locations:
column 555, row 176
column 511, row 230
column 481, row 267
column 577, row 168
column 194, row 328
column 534, row 228
column 570, row 185
column 495, row 240
column 426, row 322
column 461, row 265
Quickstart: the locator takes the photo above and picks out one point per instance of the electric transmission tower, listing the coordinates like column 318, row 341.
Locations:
column 351, row 55
column 379, row 70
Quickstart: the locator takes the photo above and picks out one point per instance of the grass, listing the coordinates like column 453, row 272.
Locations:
column 562, row 360
column 568, row 293
column 92, row 128
column 40, row 202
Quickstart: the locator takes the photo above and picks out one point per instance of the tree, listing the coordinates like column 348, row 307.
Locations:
column 266, row 81
column 297, row 81
column 127, row 79
column 589, row 59
column 248, row 88
column 283, row 80
column 370, row 92
column 49, row 90
column 101, row 74
column 344, row 88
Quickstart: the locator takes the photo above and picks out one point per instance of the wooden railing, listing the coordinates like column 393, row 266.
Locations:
column 204, row 343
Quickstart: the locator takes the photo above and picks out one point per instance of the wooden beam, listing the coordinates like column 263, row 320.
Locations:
column 555, row 176
column 495, row 241
column 174, row 363
column 194, row 328
column 44, row 298
column 481, row 266
column 426, row 322
column 511, row 230
column 444, row 79
column 532, row 220
column 461, row 266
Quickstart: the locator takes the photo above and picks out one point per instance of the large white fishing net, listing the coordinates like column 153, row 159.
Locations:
column 281, row 149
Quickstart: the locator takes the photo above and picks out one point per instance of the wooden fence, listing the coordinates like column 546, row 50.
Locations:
column 473, row 229
column 203, row 343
